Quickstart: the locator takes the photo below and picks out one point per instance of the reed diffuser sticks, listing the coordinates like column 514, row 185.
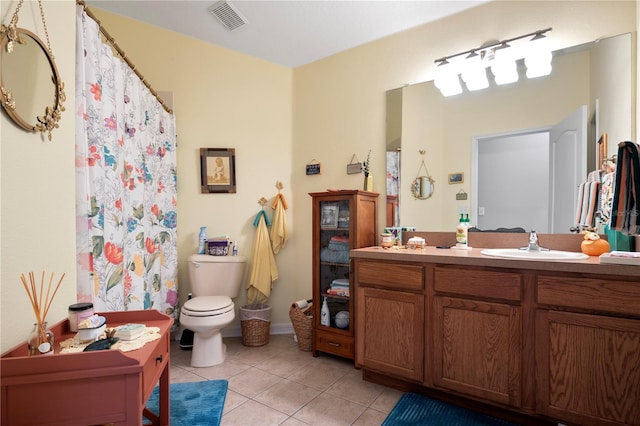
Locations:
column 40, row 306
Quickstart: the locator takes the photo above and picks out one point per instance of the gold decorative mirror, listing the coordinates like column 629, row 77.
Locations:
column 31, row 91
column 422, row 186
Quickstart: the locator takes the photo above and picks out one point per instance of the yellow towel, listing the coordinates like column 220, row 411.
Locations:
column 263, row 270
column 279, row 226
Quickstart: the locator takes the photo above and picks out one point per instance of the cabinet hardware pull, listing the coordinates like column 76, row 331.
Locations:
column 334, row 344
column 159, row 359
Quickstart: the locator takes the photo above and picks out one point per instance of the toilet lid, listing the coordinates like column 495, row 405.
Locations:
column 207, row 304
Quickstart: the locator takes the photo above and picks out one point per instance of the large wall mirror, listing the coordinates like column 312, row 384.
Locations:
column 31, row 90
column 597, row 78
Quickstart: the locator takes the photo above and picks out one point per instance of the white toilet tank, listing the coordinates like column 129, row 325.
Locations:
column 216, row 275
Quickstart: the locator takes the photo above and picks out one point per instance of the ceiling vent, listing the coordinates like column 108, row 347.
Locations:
column 228, row 15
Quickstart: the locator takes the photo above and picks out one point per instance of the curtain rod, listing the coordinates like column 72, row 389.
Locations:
column 123, row 55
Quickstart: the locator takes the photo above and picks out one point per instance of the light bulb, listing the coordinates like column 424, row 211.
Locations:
column 447, row 80
column 474, row 73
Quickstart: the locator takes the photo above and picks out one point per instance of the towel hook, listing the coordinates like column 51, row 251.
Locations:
column 262, row 201
column 279, row 185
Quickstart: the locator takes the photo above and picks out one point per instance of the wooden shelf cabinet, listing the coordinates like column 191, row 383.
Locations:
column 342, row 220
column 87, row 388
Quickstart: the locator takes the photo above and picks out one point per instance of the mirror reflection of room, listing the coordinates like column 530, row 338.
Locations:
column 499, row 137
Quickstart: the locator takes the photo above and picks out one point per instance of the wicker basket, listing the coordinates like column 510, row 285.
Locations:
column 302, row 324
column 255, row 322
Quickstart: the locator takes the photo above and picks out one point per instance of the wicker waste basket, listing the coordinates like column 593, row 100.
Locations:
column 301, row 320
column 255, row 322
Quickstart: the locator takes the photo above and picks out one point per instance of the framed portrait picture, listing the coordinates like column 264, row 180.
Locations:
column 456, row 178
column 329, row 216
column 217, row 170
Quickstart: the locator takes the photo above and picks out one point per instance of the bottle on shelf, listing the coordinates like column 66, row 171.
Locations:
column 325, row 316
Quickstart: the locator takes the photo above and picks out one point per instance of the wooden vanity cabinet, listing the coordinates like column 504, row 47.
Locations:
column 588, row 350
column 545, row 343
column 477, row 333
column 390, row 317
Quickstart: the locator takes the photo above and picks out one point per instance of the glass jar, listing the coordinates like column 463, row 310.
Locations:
column 77, row 313
column 40, row 340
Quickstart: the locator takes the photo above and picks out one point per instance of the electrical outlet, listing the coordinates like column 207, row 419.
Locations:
column 480, row 211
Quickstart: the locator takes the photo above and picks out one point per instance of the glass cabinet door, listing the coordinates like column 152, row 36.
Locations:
column 335, row 243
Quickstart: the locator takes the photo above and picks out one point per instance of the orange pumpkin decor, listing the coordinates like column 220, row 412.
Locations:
column 593, row 245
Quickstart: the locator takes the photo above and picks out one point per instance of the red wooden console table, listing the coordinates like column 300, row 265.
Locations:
column 88, row 388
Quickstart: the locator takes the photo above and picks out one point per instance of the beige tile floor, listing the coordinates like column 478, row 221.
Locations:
column 277, row 384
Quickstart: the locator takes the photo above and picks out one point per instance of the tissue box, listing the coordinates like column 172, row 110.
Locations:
column 218, row 247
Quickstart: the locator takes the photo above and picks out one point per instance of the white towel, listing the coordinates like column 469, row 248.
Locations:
column 587, row 203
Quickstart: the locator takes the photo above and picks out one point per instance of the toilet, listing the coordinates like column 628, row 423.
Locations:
column 214, row 281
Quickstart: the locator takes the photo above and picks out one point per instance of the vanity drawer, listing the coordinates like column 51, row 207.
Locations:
column 620, row 297
column 394, row 276
column 478, row 282
column 154, row 365
column 335, row 344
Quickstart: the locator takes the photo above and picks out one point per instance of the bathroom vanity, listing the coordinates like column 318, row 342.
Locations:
column 550, row 340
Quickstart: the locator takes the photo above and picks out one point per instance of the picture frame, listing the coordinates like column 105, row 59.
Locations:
column 217, row 170
column 455, row 178
column 329, row 215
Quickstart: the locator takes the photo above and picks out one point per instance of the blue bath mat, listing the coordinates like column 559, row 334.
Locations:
column 413, row 409
column 194, row 403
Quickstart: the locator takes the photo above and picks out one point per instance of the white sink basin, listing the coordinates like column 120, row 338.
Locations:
column 510, row 253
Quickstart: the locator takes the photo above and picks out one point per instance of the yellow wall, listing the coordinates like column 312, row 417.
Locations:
column 37, row 219
column 222, row 99
column 276, row 118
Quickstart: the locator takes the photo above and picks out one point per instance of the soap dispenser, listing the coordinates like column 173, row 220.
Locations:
column 462, row 232
column 325, row 316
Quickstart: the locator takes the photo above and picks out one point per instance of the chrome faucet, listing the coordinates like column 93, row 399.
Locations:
column 533, row 243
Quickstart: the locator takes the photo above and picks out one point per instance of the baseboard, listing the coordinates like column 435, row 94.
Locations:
column 282, row 328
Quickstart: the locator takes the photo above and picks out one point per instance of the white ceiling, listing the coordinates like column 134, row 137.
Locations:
column 290, row 33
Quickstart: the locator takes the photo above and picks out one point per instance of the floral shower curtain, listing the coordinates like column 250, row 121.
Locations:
column 125, row 184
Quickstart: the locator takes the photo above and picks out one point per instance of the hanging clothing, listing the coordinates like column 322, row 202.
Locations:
column 126, row 187
column 263, row 270
column 279, row 228
column 625, row 215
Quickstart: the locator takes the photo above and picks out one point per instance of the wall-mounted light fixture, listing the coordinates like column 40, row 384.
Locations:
column 500, row 57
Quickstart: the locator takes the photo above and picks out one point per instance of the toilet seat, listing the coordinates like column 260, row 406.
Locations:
column 207, row 306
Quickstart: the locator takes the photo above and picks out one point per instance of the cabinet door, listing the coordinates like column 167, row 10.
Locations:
column 390, row 335
column 334, row 277
column 588, row 368
column 478, row 349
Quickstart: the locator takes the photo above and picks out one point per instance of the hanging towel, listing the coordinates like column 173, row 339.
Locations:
column 263, row 270
column 594, row 176
column 625, row 214
column 587, row 203
column 279, row 228
column 606, row 198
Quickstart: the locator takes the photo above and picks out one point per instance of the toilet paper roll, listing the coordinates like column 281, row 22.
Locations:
column 302, row 304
